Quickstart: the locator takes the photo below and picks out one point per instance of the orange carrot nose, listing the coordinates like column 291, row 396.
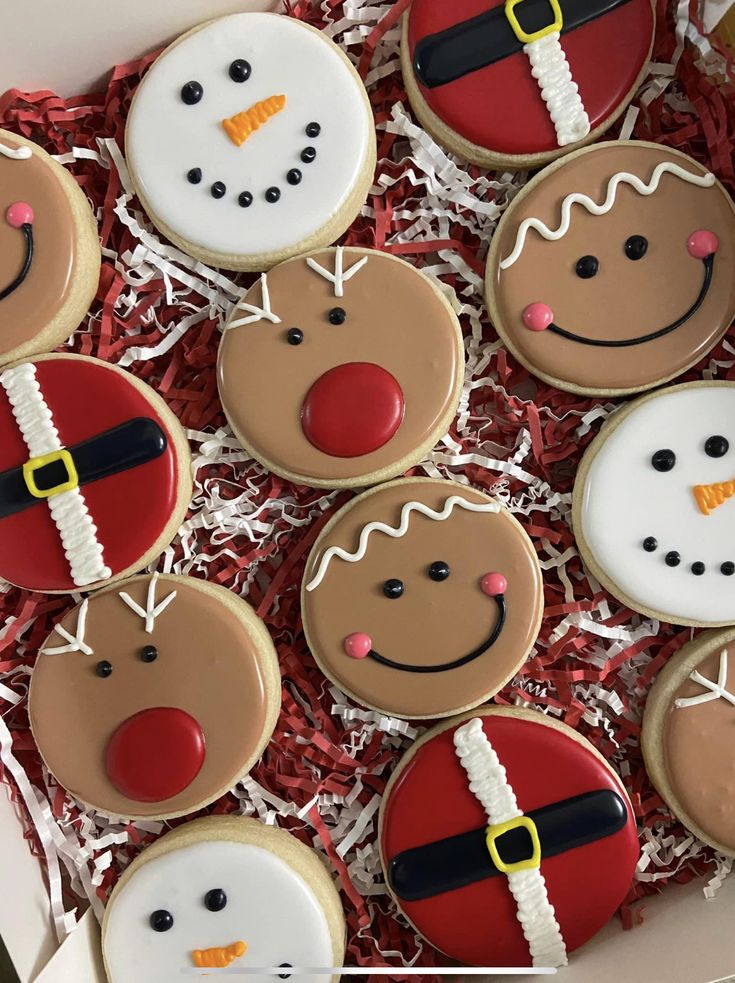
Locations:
column 708, row 497
column 242, row 125
column 218, row 957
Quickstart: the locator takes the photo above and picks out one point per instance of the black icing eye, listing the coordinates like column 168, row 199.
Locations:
column 216, row 899
column 308, row 154
column 245, row 199
column 103, row 668
column 663, row 460
column 313, row 130
column 149, row 653
column 161, row 920
column 717, row 446
column 191, row 93
column 272, row 195
column 587, row 267
column 295, row 336
column 285, row 976
column 294, row 176
column 194, row 176
column 636, row 247
column 439, row 570
column 240, row 70
column 337, row 315
column 393, row 589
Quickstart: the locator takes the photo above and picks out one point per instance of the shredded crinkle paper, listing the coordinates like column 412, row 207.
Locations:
column 159, row 313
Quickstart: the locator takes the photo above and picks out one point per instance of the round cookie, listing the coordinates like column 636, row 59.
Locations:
column 367, row 361
column 535, row 856
column 610, row 272
column 516, row 83
column 652, row 511
column 95, row 474
column 688, row 728
column 154, row 697
column 251, row 139
column 221, row 892
column 422, row 597
column 49, row 251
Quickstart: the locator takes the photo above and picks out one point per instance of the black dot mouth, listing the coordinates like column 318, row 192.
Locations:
column 27, row 230
column 708, row 262
column 672, row 558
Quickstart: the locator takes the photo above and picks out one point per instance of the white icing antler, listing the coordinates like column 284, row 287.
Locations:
column 76, row 641
column 15, row 153
column 340, row 276
column 263, row 313
column 715, row 690
column 152, row 609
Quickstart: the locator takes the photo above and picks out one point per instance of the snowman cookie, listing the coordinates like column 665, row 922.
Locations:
column 654, row 512
column 422, row 598
column 687, row 737
column 610, row 271
column 223, row 893
column 251, row 139
column 506, row 839
column 515, row 83
column 341, row 368
column 49, row 251
column 154, row 697
column 94, row 474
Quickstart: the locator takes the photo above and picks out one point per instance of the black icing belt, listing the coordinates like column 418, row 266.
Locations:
column 458, row 861
column 481, row 41
column 123, row 447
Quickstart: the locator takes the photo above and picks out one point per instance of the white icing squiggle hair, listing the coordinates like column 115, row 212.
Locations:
column 395, row 532
column 623, row 177
column 19, row 153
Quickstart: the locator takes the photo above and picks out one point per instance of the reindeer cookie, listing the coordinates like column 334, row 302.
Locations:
column 152, row 698
column 341, row 368
column 49, row 251
column 422, row 598
column 251, row 139
column 610, row 273
column 218, row 893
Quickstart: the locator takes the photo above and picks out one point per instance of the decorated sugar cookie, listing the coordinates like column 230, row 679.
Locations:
column 506, row 839
column 422, row 598
column 223, row 893
column 94, row 474
column 155, row 696
column 251, row 139
column 654, row 513
column 341, row 368
column 610, row 272
column 688, row 730
column 49, row 251
column 515, row 83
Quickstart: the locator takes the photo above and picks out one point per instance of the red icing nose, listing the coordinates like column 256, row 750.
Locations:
column 352, row 409
column 155, row 754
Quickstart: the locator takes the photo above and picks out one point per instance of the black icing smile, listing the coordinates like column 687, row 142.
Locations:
column 27, row 230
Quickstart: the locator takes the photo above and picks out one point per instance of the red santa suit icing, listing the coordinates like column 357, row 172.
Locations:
column 431, row 800
column 500, row 107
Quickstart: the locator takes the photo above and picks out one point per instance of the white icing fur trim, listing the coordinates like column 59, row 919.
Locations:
column 550, row 68
column 15, row 153
column 340, row 276
column 396, row 532
column 715, row 690
column 68, row 509
column 623, row 177
column 152, row 610
column 490, row 786
column 76, row 641
column 263, row 313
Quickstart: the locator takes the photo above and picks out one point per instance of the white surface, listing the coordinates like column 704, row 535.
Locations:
column 714, row 11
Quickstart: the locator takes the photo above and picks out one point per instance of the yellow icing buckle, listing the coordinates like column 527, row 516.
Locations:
column 494, row 833
column 32, row 465
column 524, row 38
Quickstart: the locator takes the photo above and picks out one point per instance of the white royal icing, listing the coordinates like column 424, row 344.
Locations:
column 254, row 312
column 395, row 532
column 269, row 907
column 550, row 68
column 76, row 640
column 623, row 177
column 340, row 275
column 625, row 500
column 15, row 153
column 151, row 610
column 68, row 509
column 490, row 786
column 166, row 138
column 713, row 690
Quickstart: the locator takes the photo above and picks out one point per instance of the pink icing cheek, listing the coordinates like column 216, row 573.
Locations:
column 494, row 584
column 702, row 244
column 538, row 317
column 358, row 645
column 19, row 214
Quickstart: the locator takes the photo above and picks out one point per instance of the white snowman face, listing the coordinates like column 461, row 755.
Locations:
column 248, row 135
column 214, row 904
column 658, row 506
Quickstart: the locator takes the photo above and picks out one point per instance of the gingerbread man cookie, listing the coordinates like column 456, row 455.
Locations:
column 422, row 598
column 610, row 272
column 341, row 368
column 49, row 251
column 153, row 697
